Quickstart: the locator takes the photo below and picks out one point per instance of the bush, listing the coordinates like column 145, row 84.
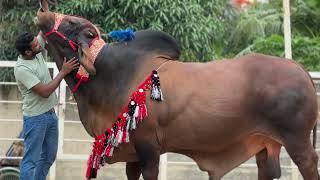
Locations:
column 305, row 50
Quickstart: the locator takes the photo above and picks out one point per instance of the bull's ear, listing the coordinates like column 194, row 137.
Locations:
column 84, row 58
column 44, row 5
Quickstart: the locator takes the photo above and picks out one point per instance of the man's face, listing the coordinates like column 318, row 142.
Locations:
column 35, row 46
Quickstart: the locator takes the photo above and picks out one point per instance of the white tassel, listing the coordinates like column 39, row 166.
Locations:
column 129, row 119
column 155, row 94
column 95, row 162
column 127, row 137
column 102, row 158
column 133, row 124
column 118, row 139
column 111, row 139
column 136, row 112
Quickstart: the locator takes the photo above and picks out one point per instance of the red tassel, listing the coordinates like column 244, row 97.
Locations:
column 109, row 151
column 81, row 79
column 125, row 137
column 118, row 138
column 75, row 88
column 142, row 112
column 89, row 166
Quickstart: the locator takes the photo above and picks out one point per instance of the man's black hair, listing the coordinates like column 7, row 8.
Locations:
column 23, row 42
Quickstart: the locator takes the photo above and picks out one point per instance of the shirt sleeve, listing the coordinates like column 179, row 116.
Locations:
column 26, row 77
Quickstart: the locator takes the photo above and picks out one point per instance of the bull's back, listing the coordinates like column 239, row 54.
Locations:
column 224, row 101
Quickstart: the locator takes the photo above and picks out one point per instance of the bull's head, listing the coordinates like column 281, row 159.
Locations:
column 67, row 36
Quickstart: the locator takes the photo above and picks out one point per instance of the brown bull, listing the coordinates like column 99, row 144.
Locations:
column 218, row 113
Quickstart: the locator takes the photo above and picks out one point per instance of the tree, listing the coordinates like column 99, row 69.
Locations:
column 192, row 23
column 254, row 23
column 205, row 29
column 306, row 18
column 196, row 24
column 260, row 30
column 305, row 50
column 265, row 19
column 15, row 16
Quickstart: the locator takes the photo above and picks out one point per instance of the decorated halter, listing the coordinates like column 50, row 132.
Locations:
column 57, row 21
column 94, row 48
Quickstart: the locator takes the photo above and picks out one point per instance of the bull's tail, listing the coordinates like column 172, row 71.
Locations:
column 314, row 139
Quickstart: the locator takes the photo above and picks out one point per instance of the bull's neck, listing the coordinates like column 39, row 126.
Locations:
column 101, row 99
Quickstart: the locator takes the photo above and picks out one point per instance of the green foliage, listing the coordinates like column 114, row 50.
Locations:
column 14, row 19
column 261, row 21
column 306, row 18
column 305, row 50
column 196, row 24
column 16, row 16
column 266, row 19
column 306, row 31
column 192, row 23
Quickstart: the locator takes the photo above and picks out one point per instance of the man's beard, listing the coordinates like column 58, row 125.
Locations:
column 34, row 53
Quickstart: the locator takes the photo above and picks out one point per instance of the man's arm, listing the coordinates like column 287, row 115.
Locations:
column 45, row 90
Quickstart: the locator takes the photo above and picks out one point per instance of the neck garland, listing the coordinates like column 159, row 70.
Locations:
column 133, row 113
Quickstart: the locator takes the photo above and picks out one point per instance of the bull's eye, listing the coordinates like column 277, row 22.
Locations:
column 90, row 34
column 72, row 23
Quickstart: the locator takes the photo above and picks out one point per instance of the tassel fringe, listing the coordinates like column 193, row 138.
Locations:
column 156, row 92
column 129, row 118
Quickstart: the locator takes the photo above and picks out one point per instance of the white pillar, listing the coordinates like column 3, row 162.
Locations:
column 287, row 29
column 60, row 110
column 288, row 54
column 53, row 168
column 163, row 166
column 61, row 115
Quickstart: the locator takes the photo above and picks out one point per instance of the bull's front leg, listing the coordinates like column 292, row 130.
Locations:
column 133, row 170
column 149, row 157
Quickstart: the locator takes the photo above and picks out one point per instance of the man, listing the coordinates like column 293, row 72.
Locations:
column 40, row 123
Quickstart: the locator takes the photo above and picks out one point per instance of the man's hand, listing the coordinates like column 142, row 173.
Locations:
column 69, row 65
column 45, row 90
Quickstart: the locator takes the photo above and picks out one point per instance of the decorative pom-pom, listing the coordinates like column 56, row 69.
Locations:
column 122, row 35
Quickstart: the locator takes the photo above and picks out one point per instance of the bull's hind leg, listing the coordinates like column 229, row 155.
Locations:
column 133, row 170
column 268, row 163
column 304, row 156
column 214, row 177
column 261, row 159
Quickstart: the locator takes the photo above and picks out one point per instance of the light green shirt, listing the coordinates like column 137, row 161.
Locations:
column 29, row 73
